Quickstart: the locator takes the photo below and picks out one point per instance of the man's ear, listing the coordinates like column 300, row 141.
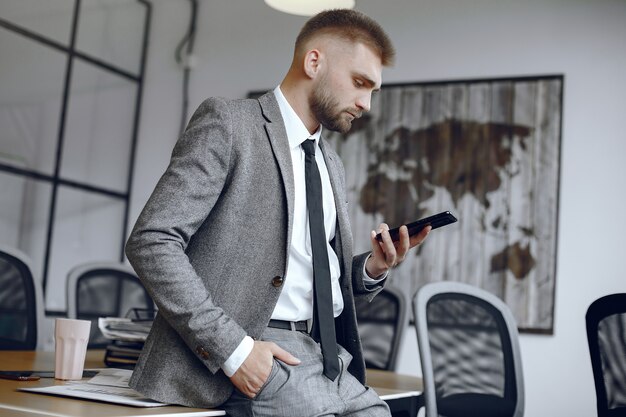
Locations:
column 312, row 63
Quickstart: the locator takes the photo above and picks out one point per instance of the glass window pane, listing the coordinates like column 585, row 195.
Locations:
column 30, row 102
column 24, row 204
column 112, row 31
column 99, row 126
column 87, row 228
column 49, row 18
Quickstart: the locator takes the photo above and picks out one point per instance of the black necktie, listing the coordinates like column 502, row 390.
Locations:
column 323, row 320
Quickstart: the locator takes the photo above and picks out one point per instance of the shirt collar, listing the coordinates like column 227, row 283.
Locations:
column 296, row 131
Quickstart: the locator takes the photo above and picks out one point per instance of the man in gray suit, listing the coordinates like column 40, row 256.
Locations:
column 224, row 243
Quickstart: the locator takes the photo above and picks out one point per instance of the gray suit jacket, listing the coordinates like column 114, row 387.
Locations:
column 211, row 247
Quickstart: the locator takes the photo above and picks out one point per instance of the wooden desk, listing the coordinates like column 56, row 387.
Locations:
column 401, row 392
column 393, row 381
column 20, row 404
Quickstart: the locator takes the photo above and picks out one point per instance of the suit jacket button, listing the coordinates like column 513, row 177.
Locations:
column 203, row 353
column 277, row 281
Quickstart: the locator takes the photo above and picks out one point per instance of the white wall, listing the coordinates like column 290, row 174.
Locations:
column 243, row 46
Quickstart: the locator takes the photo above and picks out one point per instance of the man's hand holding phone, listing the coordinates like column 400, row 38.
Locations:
column 387, row 253
column 389, row 247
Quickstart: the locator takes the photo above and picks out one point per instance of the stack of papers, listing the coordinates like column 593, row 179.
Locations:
column 119, row 328
column 109, row 385
column 128, row 336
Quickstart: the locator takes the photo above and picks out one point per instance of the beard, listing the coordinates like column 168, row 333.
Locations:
column 325, row 109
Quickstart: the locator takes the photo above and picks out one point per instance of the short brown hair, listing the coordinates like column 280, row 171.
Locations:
column 351, row 25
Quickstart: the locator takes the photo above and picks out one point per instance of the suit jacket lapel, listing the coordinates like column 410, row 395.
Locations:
column 277, row 135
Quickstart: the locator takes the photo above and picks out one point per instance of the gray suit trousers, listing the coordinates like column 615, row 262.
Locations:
column 303, row 390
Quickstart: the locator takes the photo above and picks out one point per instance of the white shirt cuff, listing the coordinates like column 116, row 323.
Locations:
column 240, row 354
column 369, row 281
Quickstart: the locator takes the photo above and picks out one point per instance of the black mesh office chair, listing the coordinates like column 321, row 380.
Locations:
column 381, row 326
column 606, row 334
column 104, row 289
column 21, row 302
column 469, row 351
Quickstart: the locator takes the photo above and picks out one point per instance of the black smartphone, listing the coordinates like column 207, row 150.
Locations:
column 20, row 375
column 435, row 221
column 36, row 375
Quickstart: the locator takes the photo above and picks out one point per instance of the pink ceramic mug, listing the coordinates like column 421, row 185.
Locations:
column 71, row 337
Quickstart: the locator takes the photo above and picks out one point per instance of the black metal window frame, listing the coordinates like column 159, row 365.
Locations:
column 55, row 179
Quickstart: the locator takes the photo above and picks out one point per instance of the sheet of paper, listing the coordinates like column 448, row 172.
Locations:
column 396, row 395
column 116, row 395
column 112, row 377
column 110, row 385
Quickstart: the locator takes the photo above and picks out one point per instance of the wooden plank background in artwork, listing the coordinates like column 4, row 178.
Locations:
column 487, row 150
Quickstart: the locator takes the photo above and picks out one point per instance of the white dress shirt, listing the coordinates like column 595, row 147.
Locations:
column 296, row 298
column 295, row 302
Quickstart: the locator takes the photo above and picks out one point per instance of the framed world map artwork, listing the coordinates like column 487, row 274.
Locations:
column 488, row 151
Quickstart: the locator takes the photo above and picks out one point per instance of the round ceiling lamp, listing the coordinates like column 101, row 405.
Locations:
column 308, row 7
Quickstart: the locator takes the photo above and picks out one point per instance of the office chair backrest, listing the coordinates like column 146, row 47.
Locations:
column 606, row 335
column 469, row 351
column 381, row 326
column 21, row 302
column 104, row 289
